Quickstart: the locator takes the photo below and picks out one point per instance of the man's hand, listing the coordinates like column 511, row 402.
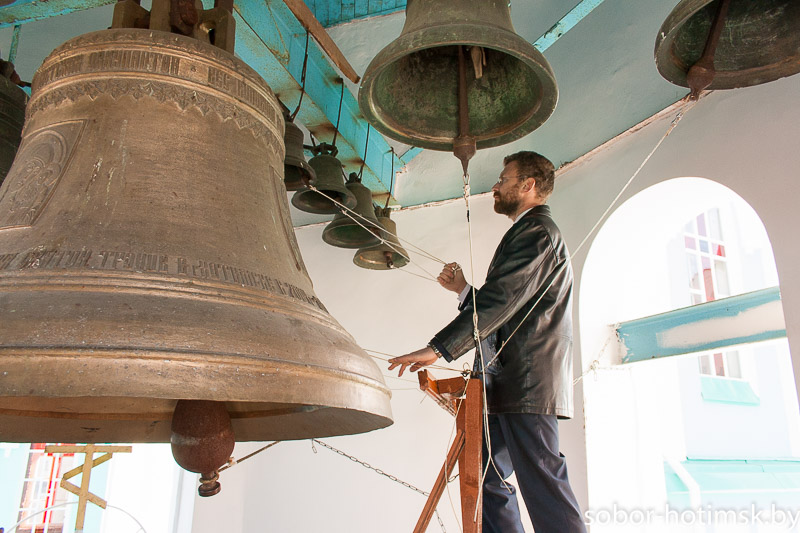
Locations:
column 415, row 360
column 452, row 278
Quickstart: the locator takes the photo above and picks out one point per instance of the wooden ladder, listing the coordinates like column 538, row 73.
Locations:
column 464, row 400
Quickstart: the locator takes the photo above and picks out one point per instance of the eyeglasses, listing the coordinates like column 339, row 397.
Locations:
column 501, row 181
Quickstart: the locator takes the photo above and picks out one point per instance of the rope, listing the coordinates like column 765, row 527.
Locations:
column 438, row 367
column 352, row 216
column 234, row 462
column 602, row 218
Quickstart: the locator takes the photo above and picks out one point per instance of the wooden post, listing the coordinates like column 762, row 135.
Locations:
column 465, row 400
column 470, row 421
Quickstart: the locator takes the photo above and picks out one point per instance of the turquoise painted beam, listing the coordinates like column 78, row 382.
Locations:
column 271, row 40
column 567, row 22
column 24, row 11
column 752, row 317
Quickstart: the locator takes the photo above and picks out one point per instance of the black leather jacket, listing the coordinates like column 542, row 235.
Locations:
column 533, row 372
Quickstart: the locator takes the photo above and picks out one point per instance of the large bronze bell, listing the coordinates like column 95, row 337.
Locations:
column 758, row 42
column 12, row 117
column 409, row 91
column 297, row 173
column 137, row 267
column 358, row 229
column 328, row 182
column 386, row 255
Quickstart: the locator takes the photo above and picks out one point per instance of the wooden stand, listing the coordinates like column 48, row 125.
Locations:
column 464, row 400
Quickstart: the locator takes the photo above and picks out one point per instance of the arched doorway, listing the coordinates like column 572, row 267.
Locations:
column 702, row 429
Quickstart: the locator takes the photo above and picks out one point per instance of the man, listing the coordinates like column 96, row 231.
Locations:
column 525, row 321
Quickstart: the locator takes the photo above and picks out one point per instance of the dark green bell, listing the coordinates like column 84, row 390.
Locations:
column 344, row 231
column 386, row 255
column 759, row 42
column 296, row 171
column 328, row 181
column 12, row 116
column 409, row 90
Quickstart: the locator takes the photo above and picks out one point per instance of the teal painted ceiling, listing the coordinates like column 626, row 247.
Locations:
column 604, row 68
column 332, row 12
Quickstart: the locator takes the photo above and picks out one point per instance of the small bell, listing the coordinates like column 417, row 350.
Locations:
column 358, row 229
column 297, row 173
column 386, row 255
column 328, row 181
column 757, row 41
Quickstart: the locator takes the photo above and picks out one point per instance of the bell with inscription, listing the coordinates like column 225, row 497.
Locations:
column 12, row 116
column 358, row 228
column 726, row 44
column 411, row 89
column 387, row 255
column 138, row 268
column 297, row 173
column 327, row 191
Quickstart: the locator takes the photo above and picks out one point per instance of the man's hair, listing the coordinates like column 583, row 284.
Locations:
column 533, row 165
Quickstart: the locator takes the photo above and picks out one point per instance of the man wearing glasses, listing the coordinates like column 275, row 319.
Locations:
column 525, row 322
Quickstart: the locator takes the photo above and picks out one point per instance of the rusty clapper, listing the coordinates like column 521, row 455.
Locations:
column 12, row 115
column 147, row 257
column 417, row 89
column 727, row 44
column 359, row 228
column 386, row 255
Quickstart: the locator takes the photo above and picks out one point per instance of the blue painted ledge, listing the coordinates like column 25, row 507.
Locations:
column 752, row 317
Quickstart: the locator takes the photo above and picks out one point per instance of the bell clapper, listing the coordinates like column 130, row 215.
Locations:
column 209, row 484
column 202, row 440
column 702, row 73
column 464, row 145
column 388, row 255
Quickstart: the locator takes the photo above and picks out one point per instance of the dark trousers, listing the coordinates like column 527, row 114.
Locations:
column 528, row 445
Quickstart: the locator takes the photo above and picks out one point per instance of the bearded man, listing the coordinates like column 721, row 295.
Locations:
column 525, row 324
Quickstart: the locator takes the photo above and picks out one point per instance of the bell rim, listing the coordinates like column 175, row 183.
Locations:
column 723, row 80
column 400, row 263
column 349, row 201
column 329, row 235
column 480, row 36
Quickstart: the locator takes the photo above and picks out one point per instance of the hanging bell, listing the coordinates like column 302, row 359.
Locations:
column 758, row 42
column 296, row 172
column 358, row 229
column 328, row 182
column 386, row 255
column 409, row 91
column 137, row 267
column 12, row 117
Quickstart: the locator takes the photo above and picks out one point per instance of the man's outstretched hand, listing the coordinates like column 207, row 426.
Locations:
column 415, row 360
column 452, row 278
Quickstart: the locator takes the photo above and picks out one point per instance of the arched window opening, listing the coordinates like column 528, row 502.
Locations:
column 694, row 405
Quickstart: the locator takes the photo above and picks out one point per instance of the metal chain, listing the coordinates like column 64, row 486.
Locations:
column 381, row 472
column 369, row 466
